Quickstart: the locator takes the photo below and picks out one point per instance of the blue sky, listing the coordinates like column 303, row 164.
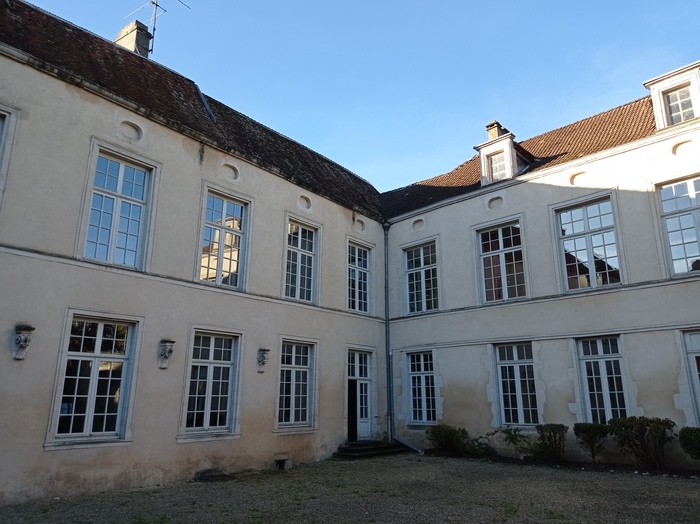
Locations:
column 400, row 91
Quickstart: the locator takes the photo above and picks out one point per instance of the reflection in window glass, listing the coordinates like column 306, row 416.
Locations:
column 680, row 208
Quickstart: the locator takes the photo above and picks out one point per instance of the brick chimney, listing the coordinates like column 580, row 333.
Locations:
column 135, row 37
column 494, row 130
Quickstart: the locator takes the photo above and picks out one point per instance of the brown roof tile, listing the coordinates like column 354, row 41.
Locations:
column 618, row 126
column 84, row 59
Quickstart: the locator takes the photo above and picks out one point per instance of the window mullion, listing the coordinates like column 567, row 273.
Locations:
column 221, row 237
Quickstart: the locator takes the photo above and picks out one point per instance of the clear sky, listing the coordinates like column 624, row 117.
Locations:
column 399, row 91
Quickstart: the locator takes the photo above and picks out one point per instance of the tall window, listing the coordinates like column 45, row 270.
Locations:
column 211, row 386
column 602, row 376
column 222, row 241
column 679, row 105
column 295, row 397
column 421, row 277
column 502, row 263
column 358, row 278
column 94, row 388
column 517, row 380
column 692, row 347
column 497, row 166
column 301, row 256
column 680, row 203
column 588, row 242
column 420, row 374
column 116, row 225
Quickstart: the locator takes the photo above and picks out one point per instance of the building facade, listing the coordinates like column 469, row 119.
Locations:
column 184, row 289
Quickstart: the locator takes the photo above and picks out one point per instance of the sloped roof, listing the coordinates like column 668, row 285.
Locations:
column 612, row 128
column 87, row 60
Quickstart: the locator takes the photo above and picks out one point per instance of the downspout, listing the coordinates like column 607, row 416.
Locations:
column 389, row 353
column 387, row 339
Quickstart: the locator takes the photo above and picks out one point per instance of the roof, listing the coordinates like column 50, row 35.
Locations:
column 612, row 128
column 75, row 55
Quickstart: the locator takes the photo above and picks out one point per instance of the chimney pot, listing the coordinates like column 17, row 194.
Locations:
column 135, row 37
column 495, row 129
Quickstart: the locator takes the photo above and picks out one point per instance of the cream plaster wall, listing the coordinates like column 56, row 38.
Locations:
column 44, row 277
column 649, row 311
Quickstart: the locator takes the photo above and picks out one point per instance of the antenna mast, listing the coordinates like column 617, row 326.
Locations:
column 156, row 14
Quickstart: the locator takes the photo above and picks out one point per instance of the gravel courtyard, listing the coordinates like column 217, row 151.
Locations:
column 396, row 489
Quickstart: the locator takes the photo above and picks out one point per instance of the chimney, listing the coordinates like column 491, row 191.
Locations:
column 135, row 37
column 494, row 130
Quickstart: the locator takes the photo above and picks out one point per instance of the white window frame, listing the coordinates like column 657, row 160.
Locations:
column 123, row 396
column 606, row 363
column 359, row 278
column 215, row 275
column 420, row 276
column 301, row 408
column 145, row 240
column 691, row 341
column 660, row 87
column 209, row 362
column 497, row 169
column 517, row 384
column 577, row 227
column 500, row 272
column 422, row 397
column 679, row 202
column 8, row 123
column 293, row 281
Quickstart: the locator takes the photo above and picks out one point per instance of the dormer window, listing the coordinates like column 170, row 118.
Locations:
column 497, row 166
column 674, row 95
column 501, row 158
column 679, row 105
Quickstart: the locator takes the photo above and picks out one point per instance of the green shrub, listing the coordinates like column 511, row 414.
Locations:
column 644, row 438
column 591, row 437
column 550, row 446
column 689, row 439
column 513, row 437
column 457, row 440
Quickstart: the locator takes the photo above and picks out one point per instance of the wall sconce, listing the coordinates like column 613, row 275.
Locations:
column 22, row 340
column 165, row 352
column 263, row 358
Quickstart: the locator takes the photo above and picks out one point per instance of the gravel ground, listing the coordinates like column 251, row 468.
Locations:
column 400, row 489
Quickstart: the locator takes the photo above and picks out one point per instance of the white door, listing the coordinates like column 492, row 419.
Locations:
column 359, row 410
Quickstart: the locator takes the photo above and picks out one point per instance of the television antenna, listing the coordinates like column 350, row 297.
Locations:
column 158, row 10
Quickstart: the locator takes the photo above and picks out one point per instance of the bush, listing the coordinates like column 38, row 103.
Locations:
column 457, row 440
column 550, row 446
column 689, row 439
column 644, row 438
column 591, row 437
column 515, row 438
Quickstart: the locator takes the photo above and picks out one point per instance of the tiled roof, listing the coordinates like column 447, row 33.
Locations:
column 624, row 124
column 82, row 58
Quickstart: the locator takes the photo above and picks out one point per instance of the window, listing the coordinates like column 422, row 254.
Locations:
column 497, row 166
column 680, row 203
column 420, row 374
column 589, row 247
column 295, row 385
column 117, row 212
column 358, row 278
column 222, row 241
column 421, row 274
column 301, row 255
column 679, row 105
column 602, row 376
column 692, row 346
column 517, row 381
column 502, row 263
column 210, row 398
column 95, row 380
